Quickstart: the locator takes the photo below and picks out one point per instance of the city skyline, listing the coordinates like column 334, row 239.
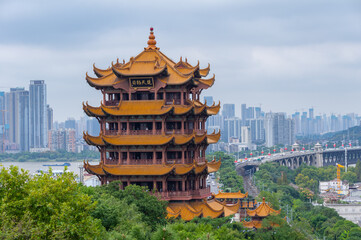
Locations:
column 283, row 55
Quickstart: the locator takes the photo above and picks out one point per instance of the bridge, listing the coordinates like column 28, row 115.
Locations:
column 318, row 157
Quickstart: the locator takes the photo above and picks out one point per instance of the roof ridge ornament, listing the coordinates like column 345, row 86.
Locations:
column 152, row 42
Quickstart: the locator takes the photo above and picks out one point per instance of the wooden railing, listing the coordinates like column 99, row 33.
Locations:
column 111, row 103
column 189, row 193
column 150, row 132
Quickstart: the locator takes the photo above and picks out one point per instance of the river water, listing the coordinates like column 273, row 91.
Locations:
column 32, row 167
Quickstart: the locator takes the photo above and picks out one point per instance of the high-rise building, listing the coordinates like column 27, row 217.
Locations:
column 232, row 129
column 228, row 110
column 278, row 129
column 258, row 112
column 38, row 114
column 62, row 139
column 3, row 122
column 246, row 137
column 50, row 116
column 257, row 129
column 311, row 113
column 208, row 100
column 70, row 123
column 243, row 113
column 17, row 101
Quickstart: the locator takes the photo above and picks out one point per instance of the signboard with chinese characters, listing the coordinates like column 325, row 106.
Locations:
column 142, row 82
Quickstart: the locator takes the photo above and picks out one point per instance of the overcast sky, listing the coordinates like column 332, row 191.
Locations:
column 281, row 54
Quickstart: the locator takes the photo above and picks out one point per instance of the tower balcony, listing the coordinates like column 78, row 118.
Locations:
column 111, row 103
column 156, row 132
column 184, row 195
column 147, row 161
column 170, row 101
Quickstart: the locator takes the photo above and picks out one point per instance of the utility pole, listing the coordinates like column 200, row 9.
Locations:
column 345, row 159
column 81, row 173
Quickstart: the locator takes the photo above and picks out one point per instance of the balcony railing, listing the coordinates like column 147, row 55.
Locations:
column 111, row 132
column 144, row 132
column 173, row 195
column 112, row 103
column 150, row 132
column 170, row 101
column 145, row 161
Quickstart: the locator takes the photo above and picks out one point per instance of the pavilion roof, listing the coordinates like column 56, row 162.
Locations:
column 151, row 62
column 263, row 210
column 211, row 208
column 154, row 140
column 149, row 107
column 151, row 170
column 252, row 224
column 231, row 195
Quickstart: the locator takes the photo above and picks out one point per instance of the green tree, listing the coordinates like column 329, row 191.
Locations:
column 350, row 177
column 358, row 170
column 42, row 207
column 152, row 209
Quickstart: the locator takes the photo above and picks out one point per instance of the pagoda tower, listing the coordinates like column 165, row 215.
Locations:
column 258, row 214
column 152, row 125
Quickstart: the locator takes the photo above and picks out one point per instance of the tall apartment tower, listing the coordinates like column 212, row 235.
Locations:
column 38, row 114
column 50, row 117
column 17, row 101
column 228, row 110
column 278, row 129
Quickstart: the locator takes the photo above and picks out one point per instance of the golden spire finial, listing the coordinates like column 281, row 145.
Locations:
column 151, row 41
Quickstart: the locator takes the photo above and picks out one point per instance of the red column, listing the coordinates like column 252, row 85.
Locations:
column 154, row 157
column 164, row 183
column 183, row 158
column 182, row 126
column 182, row 97
column 163, row 156
column 153, row 126
column 119, row 157
column 197, row 183
column 163, row 125
column 128, row 127
column 183, row 184
column 128, row 157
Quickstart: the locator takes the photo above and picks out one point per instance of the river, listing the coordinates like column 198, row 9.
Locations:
column 32, row 167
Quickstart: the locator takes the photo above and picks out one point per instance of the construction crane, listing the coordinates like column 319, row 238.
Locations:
column 339, row 166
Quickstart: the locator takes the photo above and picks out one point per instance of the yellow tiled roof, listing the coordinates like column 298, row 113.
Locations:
column 263, row 210
column 151, row 62
column 101, row 72
column 140, row 68
column 148, row 107
column 231, row 195
column 186, row 211
column 195, row 208
column 148, row 170
column 252, row 224
column 141, row 140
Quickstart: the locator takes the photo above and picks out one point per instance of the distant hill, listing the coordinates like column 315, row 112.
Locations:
column 351, row 134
